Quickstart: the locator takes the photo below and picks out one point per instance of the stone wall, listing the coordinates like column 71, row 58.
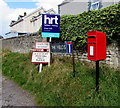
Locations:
column 113, row 56
column 22, row 44
column 25, row 44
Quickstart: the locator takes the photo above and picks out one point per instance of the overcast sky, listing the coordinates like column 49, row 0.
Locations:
column 11, row 9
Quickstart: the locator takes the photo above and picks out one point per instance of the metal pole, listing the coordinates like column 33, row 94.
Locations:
column 50, row 39
column 40, row 67
column 73, row 60
column 97, row 75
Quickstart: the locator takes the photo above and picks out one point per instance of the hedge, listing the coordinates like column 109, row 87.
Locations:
column 75, row 27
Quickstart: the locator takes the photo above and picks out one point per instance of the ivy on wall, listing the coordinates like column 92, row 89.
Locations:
column 75, row 27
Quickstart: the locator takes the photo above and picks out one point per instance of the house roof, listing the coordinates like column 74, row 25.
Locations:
column 1, row 37
column 21, row 18
column 65, row 2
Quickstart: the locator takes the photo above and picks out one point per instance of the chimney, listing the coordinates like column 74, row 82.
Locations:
column 25, row 13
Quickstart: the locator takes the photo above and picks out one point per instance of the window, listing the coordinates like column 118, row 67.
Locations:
column 95, row 6
column 33, row 23
column 39, row 13
column 58, row 9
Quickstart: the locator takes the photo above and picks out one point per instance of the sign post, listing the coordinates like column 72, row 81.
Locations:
column 41, row 56
column 50, row 28
column 69, row 49
column 73, row 59
column 40, row 67
column 50, row 51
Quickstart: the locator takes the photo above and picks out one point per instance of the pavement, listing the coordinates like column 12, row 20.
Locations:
column 13, row 95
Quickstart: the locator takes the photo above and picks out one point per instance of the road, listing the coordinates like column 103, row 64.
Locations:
column 13, row 95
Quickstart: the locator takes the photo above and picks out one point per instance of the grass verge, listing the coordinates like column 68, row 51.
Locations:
column 56, row 86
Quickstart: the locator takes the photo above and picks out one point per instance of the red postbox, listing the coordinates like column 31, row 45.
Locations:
column 96, row 45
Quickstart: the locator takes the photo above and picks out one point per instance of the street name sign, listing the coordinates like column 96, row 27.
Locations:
column 58, row 47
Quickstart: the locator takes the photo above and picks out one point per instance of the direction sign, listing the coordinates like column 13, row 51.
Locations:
column 40, row 57
column 42, row 45
column 50, row 25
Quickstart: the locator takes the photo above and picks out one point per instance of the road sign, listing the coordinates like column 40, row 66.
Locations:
column 50, row 25
column 69, row 47
column 40, row 57
column 42, row 45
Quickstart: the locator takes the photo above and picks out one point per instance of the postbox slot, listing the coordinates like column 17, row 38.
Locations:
column 91, row 37
column 91, row 43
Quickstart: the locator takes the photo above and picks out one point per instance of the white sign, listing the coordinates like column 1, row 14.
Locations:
column 40, row 57
column 42, row 45
column 91, row 50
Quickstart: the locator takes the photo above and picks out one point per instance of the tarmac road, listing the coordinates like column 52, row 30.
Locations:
column 13, row 95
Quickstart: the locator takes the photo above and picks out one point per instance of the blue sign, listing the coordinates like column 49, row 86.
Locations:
column 50, row 25
column 69, row 47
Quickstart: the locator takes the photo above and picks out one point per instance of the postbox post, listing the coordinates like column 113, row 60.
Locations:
column 97, row 75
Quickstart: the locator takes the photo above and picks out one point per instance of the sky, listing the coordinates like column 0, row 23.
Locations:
column 11, row 9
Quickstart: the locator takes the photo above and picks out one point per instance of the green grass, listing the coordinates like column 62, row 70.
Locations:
column 57, row 86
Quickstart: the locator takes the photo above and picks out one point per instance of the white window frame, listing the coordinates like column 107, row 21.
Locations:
column 98, row 2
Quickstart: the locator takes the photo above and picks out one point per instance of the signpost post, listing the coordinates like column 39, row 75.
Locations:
column 73, row 59
column 69, row 49
column 50, row 28
column 41, row 56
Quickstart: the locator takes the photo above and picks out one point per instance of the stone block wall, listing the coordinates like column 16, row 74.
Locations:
column 113, row 55
column 112, row 59
column 25, row 44
column 22, row 44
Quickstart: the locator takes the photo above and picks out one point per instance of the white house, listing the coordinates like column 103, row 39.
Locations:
column 28, row 23
column 74, row 7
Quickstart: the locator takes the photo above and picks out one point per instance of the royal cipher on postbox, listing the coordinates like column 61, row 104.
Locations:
column 96, row 45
